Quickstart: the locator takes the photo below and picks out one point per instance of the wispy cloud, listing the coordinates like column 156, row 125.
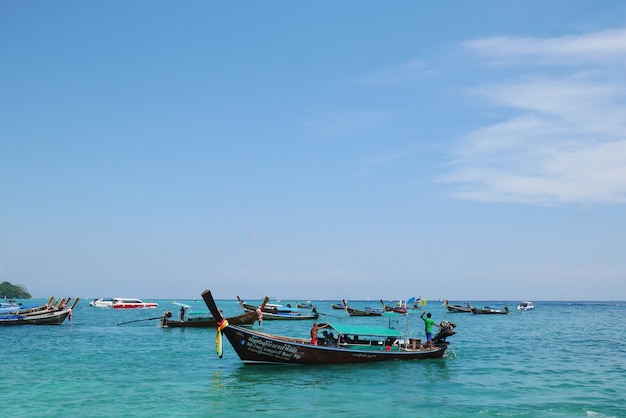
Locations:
column 565, row 141
column 600, row 47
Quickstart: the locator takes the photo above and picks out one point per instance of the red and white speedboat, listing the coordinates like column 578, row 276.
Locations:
column 130, row 303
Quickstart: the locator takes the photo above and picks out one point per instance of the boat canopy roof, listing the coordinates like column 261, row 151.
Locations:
column 366, row 330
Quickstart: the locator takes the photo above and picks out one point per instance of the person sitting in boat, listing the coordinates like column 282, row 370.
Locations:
column 332, row 341
column 314, row 330
column 324, row 340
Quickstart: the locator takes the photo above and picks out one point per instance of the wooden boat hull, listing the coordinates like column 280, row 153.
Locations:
column 258, row 348
column 481, row 311
column 458, row 309
column 247, row 318
column 46, row 318
column 359, row 312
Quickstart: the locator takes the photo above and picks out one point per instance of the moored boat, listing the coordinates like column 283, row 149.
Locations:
column 367, row 311
column 132, row 303
column 399, row 308
column 489, row 311
column 337, row 306
column 525, row 305
column 190, row 319
column 457, row 308
column 102, row 303
column 12, row 307
column 354, row 344
column 273, row 311
column 52, row 316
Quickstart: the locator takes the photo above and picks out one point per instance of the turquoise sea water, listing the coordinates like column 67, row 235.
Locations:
column 564, row 359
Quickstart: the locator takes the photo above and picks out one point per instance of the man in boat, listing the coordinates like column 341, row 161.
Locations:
column 314, row 330
column 428, row 327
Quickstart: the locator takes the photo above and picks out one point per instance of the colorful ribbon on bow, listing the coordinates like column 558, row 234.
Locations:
column 218, row 338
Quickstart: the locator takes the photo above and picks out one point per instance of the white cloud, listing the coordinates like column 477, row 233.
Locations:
column 600, row 47
column 565, row 141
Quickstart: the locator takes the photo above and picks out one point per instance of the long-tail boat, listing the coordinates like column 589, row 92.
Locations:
column 354, row 344
column 337, row 306
column 276, row 312
column 367, row 311
column 490, row 311
column 457, row 308
column 56, row 315
column 201, row 320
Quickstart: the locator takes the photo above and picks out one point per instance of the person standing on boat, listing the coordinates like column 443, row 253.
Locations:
column 314, row 332
column 259, row 314
column 428, row 327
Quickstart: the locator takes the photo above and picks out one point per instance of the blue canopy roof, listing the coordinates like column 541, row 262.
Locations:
column 366, row 330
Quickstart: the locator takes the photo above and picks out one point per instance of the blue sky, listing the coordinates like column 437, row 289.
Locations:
column 465, row 150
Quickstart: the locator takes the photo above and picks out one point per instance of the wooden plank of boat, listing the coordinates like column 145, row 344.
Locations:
column 256, row 348
column 247, row 318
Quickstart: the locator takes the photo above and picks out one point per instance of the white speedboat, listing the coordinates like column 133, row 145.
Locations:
column 525, row 306
column 102, row 303
column 131, row 303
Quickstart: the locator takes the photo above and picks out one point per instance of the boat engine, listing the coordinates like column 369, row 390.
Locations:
column 446, row 329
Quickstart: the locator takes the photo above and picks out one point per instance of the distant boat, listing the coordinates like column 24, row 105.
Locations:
column 11, row 307
column 273, row 311
column 102, row 303
column 457, row 308
column 131, row 303
column 367, row 311
column 51, row 305
column 489, row 311
column 337, row 306
column 190, row 319
column 399, row 308
column 355, row 344
column 53, row 315
column 525, row 305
